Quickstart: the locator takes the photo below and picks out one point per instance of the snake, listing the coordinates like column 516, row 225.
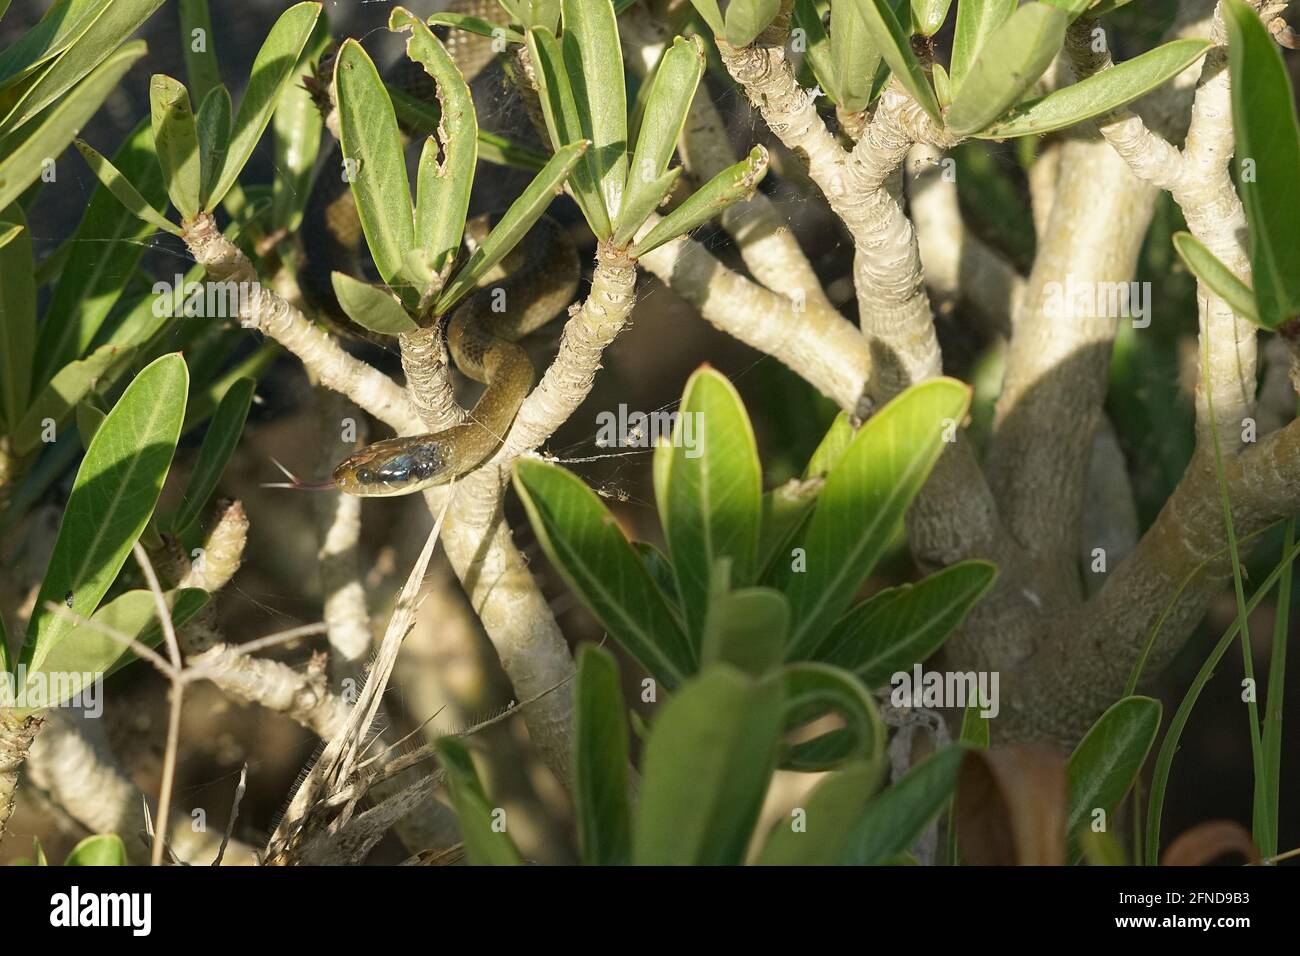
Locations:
column 536, row 281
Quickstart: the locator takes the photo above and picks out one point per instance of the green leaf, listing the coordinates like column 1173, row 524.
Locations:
column 819, row 49
column 64, row 21
column 600, row 761
column 273, row 68
column 105, row 849
column 784, row 510
column 711, row 15
column 447, row 163
column 746, row 629
column 201, row 68
column 831, row 448
column 902, row 626
column 102, row 39
column 371, row 307
column 928, row 15
column 813, row 690
column 372, row 144
column 477, row 26
column 658, row 567
column 89, row 417
column 746, row 19
column 88, row 651
column 709, row 490
column 176, row 141
column 975, row 734
column 732, row 185
column 513, row 226
column 855, row 57
column 976, row 22
column 484, row 845
column 213, row 128
column 889, row 37
column 594, row 59
column 296, row 133
column 1071, row 7
column 827, row 816
column 671, row 92
column 863, row 502
column 218, row 445
column 586, row 545
column 21, row 163
column 706, row 769
column 17, row 318
column 1108, row 760
column 121, row 187
column 60, row 396
column 1218, row 278
column 1264, row 120
column 895, row 819
column 1015, row 55
column 112, row 499
column 1101, row 92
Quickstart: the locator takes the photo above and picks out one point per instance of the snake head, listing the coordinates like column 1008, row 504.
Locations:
column 397, row 466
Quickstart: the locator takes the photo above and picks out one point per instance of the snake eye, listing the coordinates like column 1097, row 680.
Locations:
column 365, row 476
column 422, row 470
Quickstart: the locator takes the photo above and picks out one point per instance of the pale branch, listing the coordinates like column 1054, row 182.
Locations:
column 766, row 243
column 958, row 265
column 338, row 524
column 16, row 735
column 1084, row 662
column 428, row 378
column 271, row 315
column 1109, row 521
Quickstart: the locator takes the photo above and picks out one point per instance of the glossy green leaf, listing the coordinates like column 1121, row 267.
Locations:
column 656, row 564
column 826, row 819
column 818, row 50
column 1108, row 760
column 1101, row 92
column 485, row 844
column 902, row 626
column 975, row 734
column 746, row 629
column 594, row 59
column 87, row 652
column 59, row 397
column 102, row 39
column 671, row 92
column 862, row 504
column 447, row 164
column 121, row 187
column 105, row 849
column 784, row 510
column 513, row 225
column 585, row 544
column 296, row 134
column 1015, row 55
column 600, row 761
column 976, row 21
column 22, row 164
column 112, row 499
column 17, row 319
column 855, row 56
column 706, row 769
column 814, row 690
column 831, row 448
column 201, row 70
column 218, row 445
column 1264, row 120
column 733, row 184
column 372, row 145
column 892, row 41
column 1218, row 278
column 560, row 110
column 64, row 21
column 709, row 490
column 895, row 819
column 371, row 307
column 213, row 127
column 273, row 68
column 1071, row 7
column 477, row 26
column 746, row 19
column 176, row 142
column 88, row 417
column 928, row 15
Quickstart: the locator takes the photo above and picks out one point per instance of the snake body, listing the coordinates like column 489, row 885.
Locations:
column 535, row 282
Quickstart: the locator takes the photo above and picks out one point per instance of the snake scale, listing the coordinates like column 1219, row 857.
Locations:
column 535, row 282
